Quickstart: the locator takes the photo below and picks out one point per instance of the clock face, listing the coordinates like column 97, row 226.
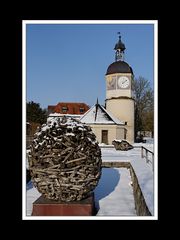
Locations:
column 123, row 82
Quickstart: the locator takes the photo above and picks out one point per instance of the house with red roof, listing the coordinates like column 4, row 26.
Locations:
column 68, row 108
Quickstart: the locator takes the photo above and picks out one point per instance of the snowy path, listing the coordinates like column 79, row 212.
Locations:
column 114, row 194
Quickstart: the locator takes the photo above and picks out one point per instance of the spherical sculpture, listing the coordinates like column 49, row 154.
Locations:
column 65, row 160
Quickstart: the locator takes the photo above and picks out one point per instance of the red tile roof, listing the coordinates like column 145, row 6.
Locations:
column 68, row 108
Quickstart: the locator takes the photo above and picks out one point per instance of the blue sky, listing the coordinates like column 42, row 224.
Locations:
column 68, row 62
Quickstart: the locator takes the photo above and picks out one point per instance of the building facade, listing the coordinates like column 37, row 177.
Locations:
column 104, row 125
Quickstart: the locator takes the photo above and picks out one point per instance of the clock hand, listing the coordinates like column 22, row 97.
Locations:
column 124, row 81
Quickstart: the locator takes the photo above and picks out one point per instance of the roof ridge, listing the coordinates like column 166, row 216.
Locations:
column 110, row 117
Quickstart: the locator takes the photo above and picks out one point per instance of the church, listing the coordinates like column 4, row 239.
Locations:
column 116, row 119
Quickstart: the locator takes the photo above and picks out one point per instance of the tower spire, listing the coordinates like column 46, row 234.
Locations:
column 119, row 47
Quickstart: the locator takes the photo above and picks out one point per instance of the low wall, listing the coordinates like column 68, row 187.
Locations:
column 116, row 164
column 140, row 204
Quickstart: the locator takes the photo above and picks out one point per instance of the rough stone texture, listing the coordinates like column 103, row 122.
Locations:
column 140, row 204
column 122, row 145
column 65, row 160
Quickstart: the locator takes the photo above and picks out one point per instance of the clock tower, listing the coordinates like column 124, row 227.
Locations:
column 119, row 95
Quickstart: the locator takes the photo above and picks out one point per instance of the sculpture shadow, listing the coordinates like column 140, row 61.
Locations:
column 29, row 185
column 107, row 183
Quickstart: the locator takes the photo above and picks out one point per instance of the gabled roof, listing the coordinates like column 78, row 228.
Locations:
column 97, row 114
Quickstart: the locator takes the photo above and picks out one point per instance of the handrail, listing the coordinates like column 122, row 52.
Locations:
column 146, row 156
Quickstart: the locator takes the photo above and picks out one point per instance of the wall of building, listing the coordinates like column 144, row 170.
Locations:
column 120, row 133
column 114, row 132
column 123, row 109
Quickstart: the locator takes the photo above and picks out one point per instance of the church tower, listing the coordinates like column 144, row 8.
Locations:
column 119, row 95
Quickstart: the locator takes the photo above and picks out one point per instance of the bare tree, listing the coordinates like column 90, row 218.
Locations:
column 144, row 105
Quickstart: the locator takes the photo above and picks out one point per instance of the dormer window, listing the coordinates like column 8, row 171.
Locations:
column 81, row 110
column 64, row 109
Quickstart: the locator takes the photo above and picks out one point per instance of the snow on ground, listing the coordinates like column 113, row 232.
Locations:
column 114, row 194
column 31, row 195
column 146, row 181
column 149, row 144
column 111, row 154
column 142, row 169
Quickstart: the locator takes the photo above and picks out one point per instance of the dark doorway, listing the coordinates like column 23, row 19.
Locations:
column 105, row 136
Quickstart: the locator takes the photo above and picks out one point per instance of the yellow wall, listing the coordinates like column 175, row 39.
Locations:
column 114, row 132
column 123, row 109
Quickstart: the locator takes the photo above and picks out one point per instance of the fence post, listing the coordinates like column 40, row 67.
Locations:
column 146, row 155
column 142, row 152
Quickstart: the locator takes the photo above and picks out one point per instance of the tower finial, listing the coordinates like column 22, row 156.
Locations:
column 119, row 33
column 119, row 47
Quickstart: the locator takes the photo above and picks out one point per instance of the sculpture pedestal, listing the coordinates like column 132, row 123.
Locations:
column 46, row 207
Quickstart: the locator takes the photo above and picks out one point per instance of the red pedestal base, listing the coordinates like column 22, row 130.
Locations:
column 46, row 207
